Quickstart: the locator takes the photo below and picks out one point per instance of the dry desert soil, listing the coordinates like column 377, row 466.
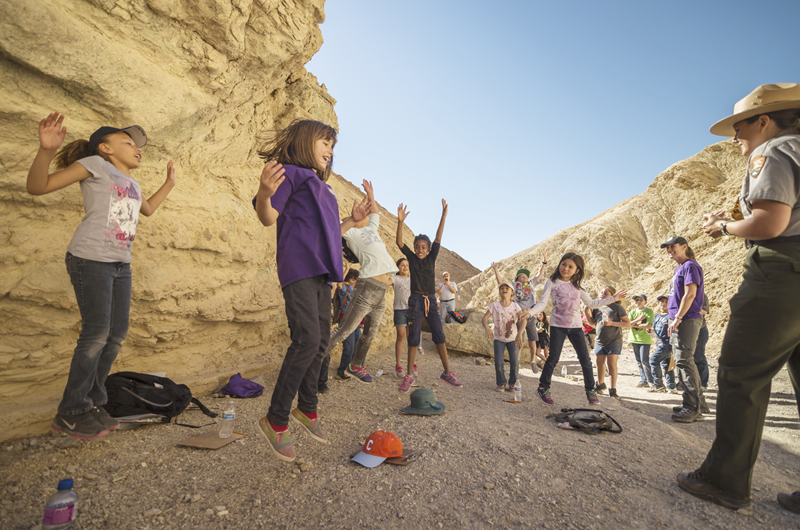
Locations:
column 485, row 463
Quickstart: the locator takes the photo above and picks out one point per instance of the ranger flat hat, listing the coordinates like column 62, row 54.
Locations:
column 764, row 99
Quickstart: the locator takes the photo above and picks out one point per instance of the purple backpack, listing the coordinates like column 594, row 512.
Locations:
column 238, row 386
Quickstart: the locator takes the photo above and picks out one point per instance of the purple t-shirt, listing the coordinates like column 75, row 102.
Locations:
column 688, row 272
column 309, row 237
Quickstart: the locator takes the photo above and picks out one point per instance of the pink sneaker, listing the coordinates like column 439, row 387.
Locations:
column 405, row 386
column 415, row 369
column 398, row 372
column 450, row 379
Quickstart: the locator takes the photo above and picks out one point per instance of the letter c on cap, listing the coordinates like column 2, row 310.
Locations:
column 369, row 445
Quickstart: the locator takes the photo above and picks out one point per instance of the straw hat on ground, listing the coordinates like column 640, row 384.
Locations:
column 764, row 99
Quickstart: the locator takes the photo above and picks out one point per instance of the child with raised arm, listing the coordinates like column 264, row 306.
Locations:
column 294, row 194
column 98, row 256
column 422, row 301
column 565, row 288
column 525, row 297
column 504, row 316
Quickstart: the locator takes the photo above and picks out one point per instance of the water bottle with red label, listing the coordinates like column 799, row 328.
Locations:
column 61, row 508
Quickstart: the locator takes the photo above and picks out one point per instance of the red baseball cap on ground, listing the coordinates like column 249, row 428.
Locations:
column 379, row 446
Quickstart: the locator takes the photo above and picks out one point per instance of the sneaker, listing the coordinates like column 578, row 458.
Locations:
column 534, row 367
column 657, row 389
column 311, row 426
column 341, row 377
column 705, row 389
column 600, row 388
column 695, row 484
column 450, row 379
column 612, row 392
column 358, row 373
column 102, row 417
column 421, row 351
column 790, row 502
column 82, row 426
column 703, row 410
column 643, row 385
column 415, row 369
column 280, row 443
column 509, row 388
column 322, row 388
column 399, row 372
column 544, row 394
column 500, row 388
column 592, row 397
column 687, row 416
column 405, row 386
column 673, row 390
column 540, row 364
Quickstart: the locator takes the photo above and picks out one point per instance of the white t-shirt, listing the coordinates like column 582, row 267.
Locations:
column 402, row 290
column 505, row 321
column 524, row 294
column 368, row 247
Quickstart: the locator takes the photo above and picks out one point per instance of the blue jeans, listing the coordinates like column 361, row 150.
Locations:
column 499, row 361
column 449, row 305
column 103, row 291
column 348, row 347
column 658, row 361
column 578, row 341
column 700, row 356
column 642, row 354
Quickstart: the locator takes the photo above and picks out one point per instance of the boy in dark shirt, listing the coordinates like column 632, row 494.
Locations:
column 422, row 264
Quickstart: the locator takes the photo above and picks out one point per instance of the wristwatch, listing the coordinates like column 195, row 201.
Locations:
column 723, row 229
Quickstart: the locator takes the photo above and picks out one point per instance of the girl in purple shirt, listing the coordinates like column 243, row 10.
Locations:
column 294, row 194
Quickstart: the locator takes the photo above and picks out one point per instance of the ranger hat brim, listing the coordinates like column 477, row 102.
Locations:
column 764, row 99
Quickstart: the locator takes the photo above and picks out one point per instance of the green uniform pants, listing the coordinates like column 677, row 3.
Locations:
column 763, row 334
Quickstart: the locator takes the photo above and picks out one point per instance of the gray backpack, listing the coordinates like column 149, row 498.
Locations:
column 589, row 421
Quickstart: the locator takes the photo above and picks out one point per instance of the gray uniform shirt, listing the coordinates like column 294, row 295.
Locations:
column 773, row 173
column 111, row 202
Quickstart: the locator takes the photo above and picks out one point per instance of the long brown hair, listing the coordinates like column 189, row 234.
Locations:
column 295, row 145
column 74, row 151
column 785, row 120
column 578, row 276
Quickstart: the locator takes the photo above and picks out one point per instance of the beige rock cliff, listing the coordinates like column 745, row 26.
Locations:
column 204, row 79
column 621, row 245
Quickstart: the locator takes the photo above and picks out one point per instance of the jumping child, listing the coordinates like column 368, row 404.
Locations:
column 422, row 264
column 504, row 316
column 564, row 286
column 525, row 297
column 98, row 256
column 293, row 192
column 402, row 290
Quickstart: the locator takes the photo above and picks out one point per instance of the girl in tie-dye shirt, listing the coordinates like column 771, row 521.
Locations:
column 564, row 286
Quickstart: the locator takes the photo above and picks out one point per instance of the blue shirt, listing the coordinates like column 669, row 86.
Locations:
column 660, row 326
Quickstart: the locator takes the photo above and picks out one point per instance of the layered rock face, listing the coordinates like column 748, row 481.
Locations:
column 621, row 246
column 204, row 79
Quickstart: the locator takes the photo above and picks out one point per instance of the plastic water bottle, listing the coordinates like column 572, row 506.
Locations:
column 61, row 508
column 378, row 374
column 517, row 391
column 228, row 417
column 564, row 371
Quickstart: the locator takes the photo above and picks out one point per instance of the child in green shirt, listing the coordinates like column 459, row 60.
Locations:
column 641, row 321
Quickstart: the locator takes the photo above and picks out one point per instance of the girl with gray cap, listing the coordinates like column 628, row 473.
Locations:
column 766, row 126
column 98, row 256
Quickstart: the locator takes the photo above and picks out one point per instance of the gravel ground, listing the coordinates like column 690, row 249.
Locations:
column 485, row 463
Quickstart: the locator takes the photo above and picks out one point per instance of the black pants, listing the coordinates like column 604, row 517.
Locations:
column 308, row 306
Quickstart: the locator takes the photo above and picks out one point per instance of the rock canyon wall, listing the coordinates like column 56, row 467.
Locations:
column 621, row 246
column 204, row 79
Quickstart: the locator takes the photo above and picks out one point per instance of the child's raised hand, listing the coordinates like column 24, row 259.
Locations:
column 360, row 209
column 444, row 207
column 51, row 133
column 402, row 212
column 171, row 173
column 272, row 177
column 544, row 254
column 620, row 295
column 368, row 189
column 494, row 266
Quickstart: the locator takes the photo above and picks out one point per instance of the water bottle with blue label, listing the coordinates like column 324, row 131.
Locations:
column 228, row 417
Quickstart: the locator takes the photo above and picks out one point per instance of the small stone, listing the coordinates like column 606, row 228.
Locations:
column 209, row 512
column 219, row 508
column 113, row 469
column 307, row 466
column 257, row 502
column 34, row 442
column 222, row 512
column 144, row 464
column 72, row 469
column 151, row 512
column 488, row 486
column 117, row 479
column 90, row 476
column 612, row 510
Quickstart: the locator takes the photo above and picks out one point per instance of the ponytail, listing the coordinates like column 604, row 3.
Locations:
column 70, row 153
column 690, row 253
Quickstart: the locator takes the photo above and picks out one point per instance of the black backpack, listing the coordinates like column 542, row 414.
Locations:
column 589, row 421
column 131, row 393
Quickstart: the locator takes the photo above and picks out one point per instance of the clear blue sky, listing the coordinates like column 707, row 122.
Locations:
column 530, row 117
